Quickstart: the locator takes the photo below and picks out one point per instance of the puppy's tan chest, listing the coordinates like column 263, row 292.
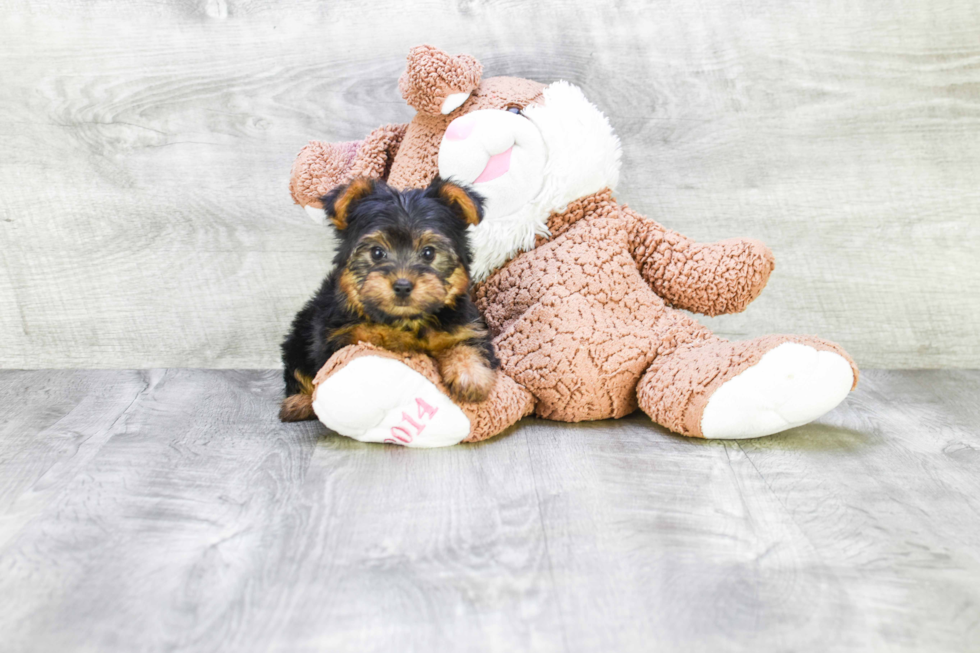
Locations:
column 401, row 339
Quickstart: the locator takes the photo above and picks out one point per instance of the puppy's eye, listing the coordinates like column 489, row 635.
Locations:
column 428, row 254
column 516, row 110
column 378, row 253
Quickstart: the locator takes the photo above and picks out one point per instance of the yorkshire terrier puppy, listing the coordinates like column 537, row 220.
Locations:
column 400, row 281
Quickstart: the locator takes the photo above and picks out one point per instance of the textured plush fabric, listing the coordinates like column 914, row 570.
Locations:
column 707, row 278
column 418, row 161
column 583, row 304
column 676, row 388
column 586, row 322
column 562, row 148
column 432, row 75
column 320, row 167
column 507, row 403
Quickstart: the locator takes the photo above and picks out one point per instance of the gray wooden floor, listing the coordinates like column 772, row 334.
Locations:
column 170, row 511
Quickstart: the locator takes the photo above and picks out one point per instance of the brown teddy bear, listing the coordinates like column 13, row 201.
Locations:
column 581, row 293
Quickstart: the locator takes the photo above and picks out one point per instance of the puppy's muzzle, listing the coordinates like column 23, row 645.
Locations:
column 402, row 289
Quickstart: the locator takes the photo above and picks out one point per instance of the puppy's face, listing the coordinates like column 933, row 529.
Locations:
column 404, row 255
column 403, row 273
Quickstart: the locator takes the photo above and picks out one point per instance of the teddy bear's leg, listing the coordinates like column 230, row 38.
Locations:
column 748, row 389
column 374, row 395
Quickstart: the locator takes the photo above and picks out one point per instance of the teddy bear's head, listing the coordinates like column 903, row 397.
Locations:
column 528, row 148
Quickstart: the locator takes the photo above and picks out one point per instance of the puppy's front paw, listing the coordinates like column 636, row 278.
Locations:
column 472, row 387
column 467, row 374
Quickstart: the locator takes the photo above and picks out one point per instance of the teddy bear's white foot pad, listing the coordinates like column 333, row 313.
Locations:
column 792, row 384
column 375, row 399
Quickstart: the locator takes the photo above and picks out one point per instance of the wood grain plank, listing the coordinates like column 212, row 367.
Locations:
column 205, row 524
column 898, row 518
column 54, row 422
column 200, row 523
column 679, row 542
column 852, row 533
column 144, row 218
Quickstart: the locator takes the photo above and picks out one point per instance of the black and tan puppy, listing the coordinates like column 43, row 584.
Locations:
column 401, row 281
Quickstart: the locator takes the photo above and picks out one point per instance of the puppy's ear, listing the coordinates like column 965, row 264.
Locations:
column 338, row 202
column 466, row 203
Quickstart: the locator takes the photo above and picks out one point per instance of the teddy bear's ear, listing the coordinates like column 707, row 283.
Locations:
column 465, row 202
column 436, row 82
column 320, row 166
column 338, row 202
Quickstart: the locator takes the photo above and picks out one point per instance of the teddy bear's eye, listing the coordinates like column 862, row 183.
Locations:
column 378, row 253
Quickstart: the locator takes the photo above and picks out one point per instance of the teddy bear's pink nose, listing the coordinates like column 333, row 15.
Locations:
column 460, row 129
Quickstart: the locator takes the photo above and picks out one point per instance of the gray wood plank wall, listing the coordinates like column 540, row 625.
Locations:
column 144, row 150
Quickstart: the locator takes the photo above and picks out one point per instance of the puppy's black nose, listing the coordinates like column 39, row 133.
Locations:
column 402, row 288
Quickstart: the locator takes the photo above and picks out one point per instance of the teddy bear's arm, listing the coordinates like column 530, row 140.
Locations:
column 707, row 278
column 319, row 167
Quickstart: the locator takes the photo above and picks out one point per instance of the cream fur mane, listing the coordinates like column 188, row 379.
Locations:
column 583, row 158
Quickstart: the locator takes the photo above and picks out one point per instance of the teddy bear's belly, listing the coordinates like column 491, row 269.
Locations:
column 581, row 357
column 576, row 324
